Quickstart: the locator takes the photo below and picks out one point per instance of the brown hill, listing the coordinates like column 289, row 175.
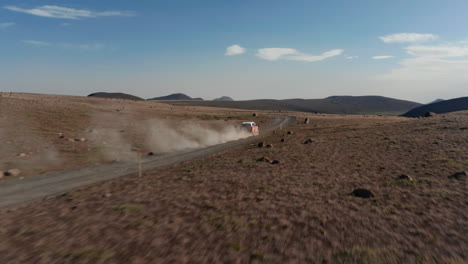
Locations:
column 115, row 96
column 176, row 96
column 329, row 105
column 457, row 104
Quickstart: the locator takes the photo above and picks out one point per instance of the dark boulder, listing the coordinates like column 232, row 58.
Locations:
column 362, row 193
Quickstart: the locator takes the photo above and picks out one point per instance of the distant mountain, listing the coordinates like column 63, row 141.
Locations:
column 330, row 105
column 223, row 98
column 446, row 106
column 176, row 96
column 436, row 101
column 115, row 96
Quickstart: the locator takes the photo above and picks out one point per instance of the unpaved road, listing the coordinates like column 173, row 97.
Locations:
column 17, row 192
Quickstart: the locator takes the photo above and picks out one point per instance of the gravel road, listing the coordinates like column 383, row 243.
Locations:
column 16, row 192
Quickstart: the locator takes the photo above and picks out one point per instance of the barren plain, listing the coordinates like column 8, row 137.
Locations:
column 239, row 206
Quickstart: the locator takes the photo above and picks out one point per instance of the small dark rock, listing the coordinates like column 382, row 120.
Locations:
column 404, row 177
column 461, row 175
column 308, row 141
column 261, row 144
column 254, row 114
column 12, row 172
column 362, row 193
column 276, row 162
column 429, row 114
column 306, row 120
column 150, row 154
column 290, row 132
column 269, row 145
column 282, row 140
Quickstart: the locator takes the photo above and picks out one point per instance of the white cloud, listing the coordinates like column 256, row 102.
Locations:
column 432, row 64
column 437, row 51
column 6, row 25
column 67, row 13
column 95, row 46
column 37, row 43
column 429, row 69
column 273, row 54
column 408, row 37
column 352, row 57
column 234, row 50
column 382, row 57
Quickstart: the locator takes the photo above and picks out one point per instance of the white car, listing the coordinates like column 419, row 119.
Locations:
column 251, row 127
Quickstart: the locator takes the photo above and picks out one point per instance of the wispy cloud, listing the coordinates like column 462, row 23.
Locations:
column 352, row 57
column 37, row 43
column 234, row 50
column 67, row 13
column 274, row 54
column 96, row 46
column 437, row 51
column 6, row 25
column 382, row 57
column 408, row 38
column 432, row 63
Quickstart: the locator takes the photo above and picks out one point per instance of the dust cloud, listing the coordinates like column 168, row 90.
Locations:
column 163, row 137
column 117, row 137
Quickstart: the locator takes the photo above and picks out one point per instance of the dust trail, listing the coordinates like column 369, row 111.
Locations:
column 106, row 132
column 116, row 135
column 163, row 137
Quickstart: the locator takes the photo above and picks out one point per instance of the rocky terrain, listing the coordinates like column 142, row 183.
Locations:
column 44, row 133
column 329, row 189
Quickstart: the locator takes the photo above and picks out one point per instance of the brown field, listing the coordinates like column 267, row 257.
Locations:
column 48, row 129
column 230, row 208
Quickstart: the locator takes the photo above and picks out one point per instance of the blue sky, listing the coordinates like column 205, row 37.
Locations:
column 415, row 50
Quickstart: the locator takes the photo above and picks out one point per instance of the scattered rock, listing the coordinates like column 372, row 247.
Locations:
column 429, row 114
column 150, row 154
column 461, row 175
column 290, row 132
column 61, row 136
column 282, row 140
column 107, row 195
column 82, row 139
column 264, row 159
column 22, row 155
column 261, row 144
column 276, row 162
column 12, row 172
column 306, row 120
column 70, row 139
column 404, row 177
column 269, row 145
column 362, row 193
column 254, row 115
column 308, row 141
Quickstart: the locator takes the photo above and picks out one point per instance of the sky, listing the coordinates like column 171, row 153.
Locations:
column 247, row 49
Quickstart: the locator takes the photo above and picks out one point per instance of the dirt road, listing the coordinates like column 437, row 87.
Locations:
column 17, row 192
